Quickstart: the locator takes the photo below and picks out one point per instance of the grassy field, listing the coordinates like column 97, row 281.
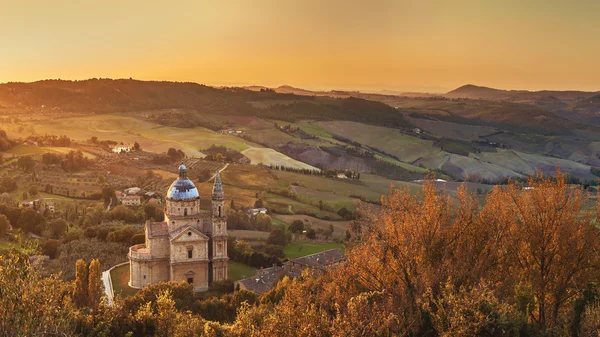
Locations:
column 299, row 249
column 450, row 130
column 238, row 271
column 339, row 227
column 268, row 156
column 122, row 128
column 407, row 148
column 26, row 150
column 120, row 277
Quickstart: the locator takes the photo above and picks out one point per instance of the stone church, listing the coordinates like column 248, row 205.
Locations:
column 190, row 245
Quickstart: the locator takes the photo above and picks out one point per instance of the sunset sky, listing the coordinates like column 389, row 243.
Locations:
column 434, row 45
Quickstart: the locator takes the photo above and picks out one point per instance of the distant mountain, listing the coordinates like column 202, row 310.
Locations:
column 477, row 92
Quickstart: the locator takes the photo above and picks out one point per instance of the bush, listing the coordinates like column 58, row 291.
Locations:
column 50, row 248
column 274, row 250
column 297, row 226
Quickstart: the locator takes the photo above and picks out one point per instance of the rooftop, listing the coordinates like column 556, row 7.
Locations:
column 156, row 229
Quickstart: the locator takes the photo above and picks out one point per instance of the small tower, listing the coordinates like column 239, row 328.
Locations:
column 219, row 232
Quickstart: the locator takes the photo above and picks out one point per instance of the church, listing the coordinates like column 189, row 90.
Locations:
column 190, row 245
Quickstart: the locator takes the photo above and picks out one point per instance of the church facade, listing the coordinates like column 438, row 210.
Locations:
column 190, row 245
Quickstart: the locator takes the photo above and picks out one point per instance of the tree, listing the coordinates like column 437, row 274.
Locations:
column 311, row 234
column 108, row 195
column 277, row 237
column 9, row 184
column 4, row 225
column 31, row 304
column 258, row 203
column 274, row 250
column 80, row 290
column 31, row 221
column 26, row 163
column 58, row 227
column 136, row 146
column 95, row 290
column 33, row 190
column 297, row 226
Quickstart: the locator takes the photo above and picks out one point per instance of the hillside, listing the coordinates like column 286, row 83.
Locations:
column 190, row 99
column 485, row 93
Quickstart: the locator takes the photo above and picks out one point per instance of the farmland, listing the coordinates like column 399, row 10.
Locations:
column 299, row 249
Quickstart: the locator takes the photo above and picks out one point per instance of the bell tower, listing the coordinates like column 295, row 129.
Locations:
column 219, row 233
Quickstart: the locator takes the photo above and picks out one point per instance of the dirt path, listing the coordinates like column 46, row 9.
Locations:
column 221, row 170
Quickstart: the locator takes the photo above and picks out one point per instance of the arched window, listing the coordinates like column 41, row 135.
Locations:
column 185, row 211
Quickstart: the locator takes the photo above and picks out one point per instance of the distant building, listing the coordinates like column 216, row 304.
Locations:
column 131, row 200
column 266, row 279
column 120, row 149
column 417, row 130
column 50, row 207
column 133, row 190
column 256, row 211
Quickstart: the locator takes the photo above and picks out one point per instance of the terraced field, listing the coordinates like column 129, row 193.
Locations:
column 406, row 148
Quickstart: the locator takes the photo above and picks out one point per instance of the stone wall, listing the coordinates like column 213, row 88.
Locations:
column 143, row 273
column 197, row 271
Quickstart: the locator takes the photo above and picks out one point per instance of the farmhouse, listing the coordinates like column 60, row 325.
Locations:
column 131, row 200
column 120, row 149
column 256, row 211
column 189, row 246
column 266, row 279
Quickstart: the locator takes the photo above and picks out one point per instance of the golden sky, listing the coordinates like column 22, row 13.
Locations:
column 427, row 45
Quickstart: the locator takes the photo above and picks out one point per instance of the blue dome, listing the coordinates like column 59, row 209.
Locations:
column 182, row 189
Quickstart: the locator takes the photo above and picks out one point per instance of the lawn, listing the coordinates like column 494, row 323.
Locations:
column 238, row 271
column 299, row 249
column 120, row 277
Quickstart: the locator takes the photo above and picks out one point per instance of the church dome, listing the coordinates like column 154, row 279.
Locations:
column 183, row 188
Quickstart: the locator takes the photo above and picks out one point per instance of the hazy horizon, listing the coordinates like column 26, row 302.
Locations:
column 383, row 45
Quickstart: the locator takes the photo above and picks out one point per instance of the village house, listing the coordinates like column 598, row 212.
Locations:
column 131, row 200
column 256, row 211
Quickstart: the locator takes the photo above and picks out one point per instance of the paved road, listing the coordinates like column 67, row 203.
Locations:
column 107, row 287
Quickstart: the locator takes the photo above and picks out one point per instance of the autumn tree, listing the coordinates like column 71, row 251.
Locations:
column 80, row 289
column 31, row 304
column 4, row 224
column 551, row 243
column 95, row 290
